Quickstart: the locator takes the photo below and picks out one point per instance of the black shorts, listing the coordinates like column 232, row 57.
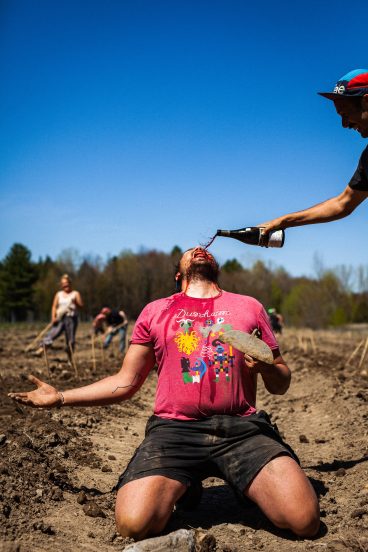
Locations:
column 232, row 448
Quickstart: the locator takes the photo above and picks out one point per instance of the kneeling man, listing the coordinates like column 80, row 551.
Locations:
column 205, row 421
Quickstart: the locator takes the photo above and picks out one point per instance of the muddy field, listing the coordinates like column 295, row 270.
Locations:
column 58, row 468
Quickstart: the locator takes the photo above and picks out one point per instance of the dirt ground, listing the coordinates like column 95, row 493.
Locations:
column 57, row 468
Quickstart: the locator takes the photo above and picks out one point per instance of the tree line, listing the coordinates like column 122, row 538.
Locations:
column 130, row 280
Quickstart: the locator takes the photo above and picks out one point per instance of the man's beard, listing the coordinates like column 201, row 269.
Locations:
column 206, row 271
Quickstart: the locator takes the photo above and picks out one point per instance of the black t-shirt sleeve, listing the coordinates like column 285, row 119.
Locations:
column 359, row 179
column 114, row 318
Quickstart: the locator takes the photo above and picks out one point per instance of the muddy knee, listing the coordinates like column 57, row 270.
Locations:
column 138, row 527
column 305, row 523
column 133, row 527
column 144, row 506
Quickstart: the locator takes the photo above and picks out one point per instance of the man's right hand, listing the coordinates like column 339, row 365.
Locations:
column 270, row 226
column 45, row 396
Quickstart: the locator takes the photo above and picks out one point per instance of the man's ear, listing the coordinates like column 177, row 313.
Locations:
column 365, row 102
column 178, row 282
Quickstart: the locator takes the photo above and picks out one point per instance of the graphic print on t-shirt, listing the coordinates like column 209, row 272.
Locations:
column 193, row 365
column 215, row 355
column 222, row 360
column 186, row 339
column 193, row 374
column 211, row 328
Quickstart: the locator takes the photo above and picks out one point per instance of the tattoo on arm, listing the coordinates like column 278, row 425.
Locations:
column 137, row 377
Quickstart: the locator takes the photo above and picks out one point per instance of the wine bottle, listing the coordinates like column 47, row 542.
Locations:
column 253, row 235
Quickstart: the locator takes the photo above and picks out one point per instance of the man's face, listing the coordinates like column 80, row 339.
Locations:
column 353, row 116
column 199, row 263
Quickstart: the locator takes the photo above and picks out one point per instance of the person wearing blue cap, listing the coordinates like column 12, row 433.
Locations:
column 350, row 97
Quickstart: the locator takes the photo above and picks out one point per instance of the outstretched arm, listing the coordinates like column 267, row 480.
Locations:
column 138, row 361
column 276, row 376
column 331, row 209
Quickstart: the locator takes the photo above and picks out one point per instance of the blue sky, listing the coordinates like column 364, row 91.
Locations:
column 153, row 123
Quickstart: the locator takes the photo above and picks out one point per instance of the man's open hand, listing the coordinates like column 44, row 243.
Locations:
column 45, row 396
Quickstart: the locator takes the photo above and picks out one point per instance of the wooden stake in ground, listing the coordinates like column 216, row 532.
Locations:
column 93, row 352
column 46, row 360
column 311, row 336
column 117, row 346
column 363, row 353
column 34, row 342
column 355, row 351
column 302, row 344
column 72, row 358
column 102, row 353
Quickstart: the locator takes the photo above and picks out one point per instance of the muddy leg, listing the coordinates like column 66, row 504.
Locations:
column 144, row 506
column 286, row 497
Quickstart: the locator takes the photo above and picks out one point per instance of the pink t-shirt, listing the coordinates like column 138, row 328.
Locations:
column 198, row 376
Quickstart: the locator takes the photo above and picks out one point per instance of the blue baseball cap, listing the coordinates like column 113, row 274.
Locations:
column 354, row 83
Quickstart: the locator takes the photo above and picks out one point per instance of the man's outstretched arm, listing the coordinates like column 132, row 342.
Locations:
column 138, row 362
column 332, row 209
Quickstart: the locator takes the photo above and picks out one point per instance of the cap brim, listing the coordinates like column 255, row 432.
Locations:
column 330, row 95
column 334, row 96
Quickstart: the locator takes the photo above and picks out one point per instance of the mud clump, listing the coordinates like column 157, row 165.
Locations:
column 44, row 528
column 82, row 498
column 92, row 509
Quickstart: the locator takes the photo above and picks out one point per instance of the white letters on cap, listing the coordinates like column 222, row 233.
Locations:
column 339, row 89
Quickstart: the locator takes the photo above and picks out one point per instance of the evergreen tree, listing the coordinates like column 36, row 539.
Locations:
column 176, row 251
column 18, row 275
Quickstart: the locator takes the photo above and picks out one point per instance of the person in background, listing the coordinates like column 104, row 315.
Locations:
column 111, row 322
column 350, row 98
column 99, row 322
column 64, row 316
column 276, row 320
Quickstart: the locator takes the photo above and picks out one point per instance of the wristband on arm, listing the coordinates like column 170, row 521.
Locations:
column 61, row 399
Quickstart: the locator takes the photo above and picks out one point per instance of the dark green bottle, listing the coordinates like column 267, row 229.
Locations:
column 253, row 235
